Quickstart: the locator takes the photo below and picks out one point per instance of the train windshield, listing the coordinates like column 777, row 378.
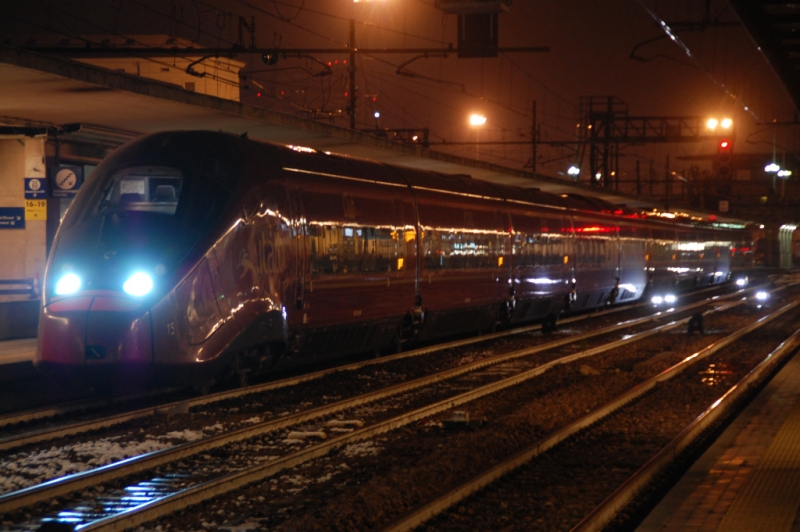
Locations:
column 145, row 189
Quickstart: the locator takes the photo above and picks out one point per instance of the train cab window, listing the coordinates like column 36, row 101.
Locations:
column 339, row 249
column 147, row 189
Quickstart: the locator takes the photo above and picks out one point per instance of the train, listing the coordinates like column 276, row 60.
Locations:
column 193, row 254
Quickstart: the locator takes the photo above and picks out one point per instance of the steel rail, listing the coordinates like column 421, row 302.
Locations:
column 212, row 488
column 11, row 442
column 82, row 480
column 622, row 496
column 418, row 516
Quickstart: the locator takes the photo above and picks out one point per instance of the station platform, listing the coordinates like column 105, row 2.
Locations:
column 749, row 479
column 16, row 359
column 15, row 351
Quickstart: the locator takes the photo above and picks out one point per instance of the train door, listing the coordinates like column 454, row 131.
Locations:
column 300, row 269
column 596, row 260
column 541, row 272
column 662, row 259
column 633, row 274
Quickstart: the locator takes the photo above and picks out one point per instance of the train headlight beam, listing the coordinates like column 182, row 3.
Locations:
column 138, row 284
column 68, row 284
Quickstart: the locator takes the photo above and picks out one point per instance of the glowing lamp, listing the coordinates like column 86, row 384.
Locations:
column 477, row 120
column 68, row 284
column 138, row 284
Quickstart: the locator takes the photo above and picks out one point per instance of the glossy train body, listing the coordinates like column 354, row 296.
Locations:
column 198, row 250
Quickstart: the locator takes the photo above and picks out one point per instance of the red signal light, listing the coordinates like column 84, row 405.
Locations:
column 258, row 94
column 724, row 144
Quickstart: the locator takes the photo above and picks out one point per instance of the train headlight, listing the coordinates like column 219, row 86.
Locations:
column 670, row 299
column 741, row 282
column 138, row 284
column 762, row 296
column 657, row 300
column 68, row 284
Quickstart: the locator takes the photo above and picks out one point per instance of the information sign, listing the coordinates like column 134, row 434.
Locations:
column 12, row 218
column 35, row 188
column 35, row 209
column 66, row 180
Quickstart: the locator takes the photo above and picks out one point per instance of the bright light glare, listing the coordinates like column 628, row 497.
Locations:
column 657, row 300
column 477, row 120
column 741, row 282
column 138, row 284
column 69, row 284
column 772, row 168
column 573, row 170
column 762, row 296
column 712, row 123
column 726, row 123
column 670, row 299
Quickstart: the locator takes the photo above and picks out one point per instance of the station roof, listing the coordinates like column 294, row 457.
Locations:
column 39, row 90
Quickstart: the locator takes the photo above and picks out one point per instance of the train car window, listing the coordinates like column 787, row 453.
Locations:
column 342, row 249
column 145, row 189
column 351, row 233
column 460, row 237
column 459, row 250
column 539, row 250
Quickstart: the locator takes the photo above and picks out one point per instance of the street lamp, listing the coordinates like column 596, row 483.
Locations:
column 476, row 121
column 724, row 123
column 574, row 171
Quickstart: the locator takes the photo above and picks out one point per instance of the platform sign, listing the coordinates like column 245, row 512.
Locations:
column 35, row 209
column 12, row 218
column 35, row 188
column 66, row 180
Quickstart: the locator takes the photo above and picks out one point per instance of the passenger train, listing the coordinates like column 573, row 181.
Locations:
column 193, row 253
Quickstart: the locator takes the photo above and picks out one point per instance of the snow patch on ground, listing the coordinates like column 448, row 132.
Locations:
column 365, row 448
column 23, row 469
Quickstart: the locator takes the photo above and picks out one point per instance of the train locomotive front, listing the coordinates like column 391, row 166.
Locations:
column 133, row 281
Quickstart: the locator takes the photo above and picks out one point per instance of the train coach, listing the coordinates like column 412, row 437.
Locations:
column 190, row 254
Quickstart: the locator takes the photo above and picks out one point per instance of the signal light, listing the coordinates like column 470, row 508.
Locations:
column 270, row 57
column 724, row 156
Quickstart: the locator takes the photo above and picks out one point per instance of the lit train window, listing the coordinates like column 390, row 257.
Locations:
column 147, row 189
column 337, row 249
column 540, row 250
column 459, row 250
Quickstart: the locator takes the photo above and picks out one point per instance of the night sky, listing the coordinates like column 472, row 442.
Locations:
column 712, row 69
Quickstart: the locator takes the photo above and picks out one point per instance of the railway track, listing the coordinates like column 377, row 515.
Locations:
column 165, row 490
column 41, row 424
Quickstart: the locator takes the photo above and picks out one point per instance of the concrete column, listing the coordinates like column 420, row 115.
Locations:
column 23, row 250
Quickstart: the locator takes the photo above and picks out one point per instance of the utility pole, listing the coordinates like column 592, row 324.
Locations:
column 352, row 73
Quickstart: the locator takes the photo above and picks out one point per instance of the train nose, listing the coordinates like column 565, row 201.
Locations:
column 96, row 329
